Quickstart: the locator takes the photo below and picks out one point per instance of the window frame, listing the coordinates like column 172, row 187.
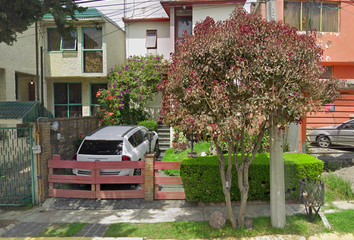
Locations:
column 61, row 43
column 68, row 104
column 146, row 42
column 90, row 50
column 177, row 39
column 91, row 104
column 321, row 8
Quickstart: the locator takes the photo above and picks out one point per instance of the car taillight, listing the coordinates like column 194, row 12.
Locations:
column 125, row 158
column 74, row 157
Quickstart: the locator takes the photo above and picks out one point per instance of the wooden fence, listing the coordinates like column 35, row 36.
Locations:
column 95, row 180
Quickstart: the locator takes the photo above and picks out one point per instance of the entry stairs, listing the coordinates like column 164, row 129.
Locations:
column 164, row 139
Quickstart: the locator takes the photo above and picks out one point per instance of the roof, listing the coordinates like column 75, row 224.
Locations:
column 23, row 112
column 89, row 13
column 110, row 133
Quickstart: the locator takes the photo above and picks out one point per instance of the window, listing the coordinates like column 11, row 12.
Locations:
column 95, row 87
column 324, row 17
column 92, row 50
column 183, row 22
column 57, row 44
column 328, row 73
column 101, row 147
column 151, row 39
column 67, row 100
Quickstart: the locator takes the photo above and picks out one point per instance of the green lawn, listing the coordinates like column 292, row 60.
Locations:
column 196, row 230
column 170, row 156
column 342, row 222
column 336, row 188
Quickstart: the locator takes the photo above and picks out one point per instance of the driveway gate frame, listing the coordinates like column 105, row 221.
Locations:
column 17, row 186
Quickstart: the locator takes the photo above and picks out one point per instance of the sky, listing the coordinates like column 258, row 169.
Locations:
column 114, row 9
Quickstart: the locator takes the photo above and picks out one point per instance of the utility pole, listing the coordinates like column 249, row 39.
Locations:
column 277, row 181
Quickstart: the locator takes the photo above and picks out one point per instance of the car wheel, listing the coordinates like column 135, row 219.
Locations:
column 323, row 141
column 157, row 149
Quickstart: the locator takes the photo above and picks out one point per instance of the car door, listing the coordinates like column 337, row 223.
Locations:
column 140, row 148
column 346, row 134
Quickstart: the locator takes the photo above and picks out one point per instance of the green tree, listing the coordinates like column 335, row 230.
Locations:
column 231, row 77
column 131, row 86
column 17, row 15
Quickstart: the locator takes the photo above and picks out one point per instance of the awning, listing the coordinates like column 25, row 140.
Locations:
column 17, row 112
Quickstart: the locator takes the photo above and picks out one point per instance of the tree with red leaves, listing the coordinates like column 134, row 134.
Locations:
column 231, row 77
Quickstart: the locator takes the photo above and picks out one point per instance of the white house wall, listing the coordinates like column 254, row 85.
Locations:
column 217, row 12
column 115, row 39
column 20, row 57
column 136, row 38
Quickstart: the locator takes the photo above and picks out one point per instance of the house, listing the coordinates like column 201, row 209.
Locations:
column 74, row 70
column 335, row 34
column 155, row 28
column 70, row 71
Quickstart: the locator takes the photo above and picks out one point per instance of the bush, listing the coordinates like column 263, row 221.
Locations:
column 202, row 182
column 149, row 125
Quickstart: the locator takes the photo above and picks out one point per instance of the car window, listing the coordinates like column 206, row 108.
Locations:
column 347, row 126
column 143, row 133
column 132, row 141
column 138, row 138
column 101, row 147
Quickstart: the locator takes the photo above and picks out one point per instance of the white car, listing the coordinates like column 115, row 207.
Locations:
column 342, row 134
column 115, row 143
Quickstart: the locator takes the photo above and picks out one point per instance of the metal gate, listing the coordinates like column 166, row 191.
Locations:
column 329, row 134
column 16, row 166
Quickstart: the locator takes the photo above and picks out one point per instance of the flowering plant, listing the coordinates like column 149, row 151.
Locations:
column 131, row 85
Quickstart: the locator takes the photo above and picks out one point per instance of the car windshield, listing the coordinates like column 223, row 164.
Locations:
column 101, row 147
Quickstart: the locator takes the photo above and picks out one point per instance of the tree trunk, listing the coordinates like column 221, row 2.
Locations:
column 244, row 187
column 226, row 187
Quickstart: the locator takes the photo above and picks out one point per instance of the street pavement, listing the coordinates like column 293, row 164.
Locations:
column 99, row 214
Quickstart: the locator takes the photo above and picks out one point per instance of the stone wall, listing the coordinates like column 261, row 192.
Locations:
column 61, row 142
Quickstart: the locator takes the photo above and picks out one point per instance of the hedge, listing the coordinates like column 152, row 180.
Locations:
column 149, row 125
column 202, row 181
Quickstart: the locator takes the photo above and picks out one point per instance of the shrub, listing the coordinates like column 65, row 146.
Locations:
column 202, row 182
column 149, row 125
column 131, row 86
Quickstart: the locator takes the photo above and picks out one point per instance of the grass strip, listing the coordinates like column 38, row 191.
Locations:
column 342, row 222
column 62, row 230
column 170, row 156
column 336, row 188
column 296, row 224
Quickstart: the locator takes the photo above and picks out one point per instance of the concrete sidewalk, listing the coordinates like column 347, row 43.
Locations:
column 100, row 214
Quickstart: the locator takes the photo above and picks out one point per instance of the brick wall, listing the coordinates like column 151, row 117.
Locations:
column 69, row 130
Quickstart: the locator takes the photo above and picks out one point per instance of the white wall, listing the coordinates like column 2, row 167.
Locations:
column 136, row 38
column 20, row 57
column 217, row 11
column 115, row 40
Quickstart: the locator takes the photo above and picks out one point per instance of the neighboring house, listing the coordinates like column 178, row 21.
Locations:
column 74, row 70
column 18, row 68
column 335, row 34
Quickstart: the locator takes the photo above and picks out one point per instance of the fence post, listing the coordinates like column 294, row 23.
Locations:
column 149, row 176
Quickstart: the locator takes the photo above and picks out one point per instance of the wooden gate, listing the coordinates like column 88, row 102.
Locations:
column 95, row 180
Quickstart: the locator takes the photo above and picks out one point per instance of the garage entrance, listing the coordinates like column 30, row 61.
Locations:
column 328, row 136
